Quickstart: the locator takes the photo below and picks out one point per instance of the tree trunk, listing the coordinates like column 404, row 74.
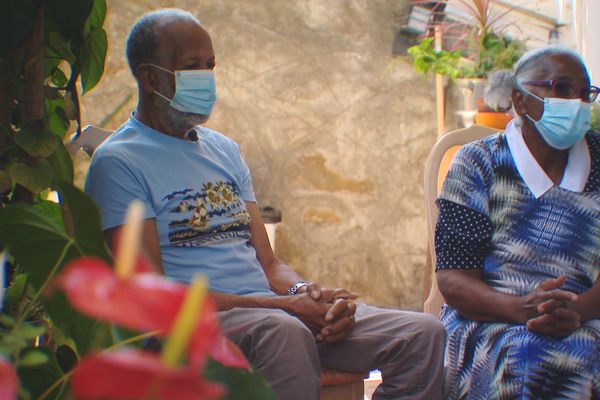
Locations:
column 5, row 104
column 33, row 71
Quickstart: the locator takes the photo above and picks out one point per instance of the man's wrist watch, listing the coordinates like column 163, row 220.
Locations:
column 292, row 290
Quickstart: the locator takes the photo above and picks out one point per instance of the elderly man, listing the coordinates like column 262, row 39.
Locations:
column 202, row 217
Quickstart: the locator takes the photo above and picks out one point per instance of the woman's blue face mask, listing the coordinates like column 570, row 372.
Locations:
column 195, row 91
column 564, row 121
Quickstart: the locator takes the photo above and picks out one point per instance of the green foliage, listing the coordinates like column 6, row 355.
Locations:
column 428, row 60
column 493, row 52
column 74, row 48
column 595, row 117
column 240, row 384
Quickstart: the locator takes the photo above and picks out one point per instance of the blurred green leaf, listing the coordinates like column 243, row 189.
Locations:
column 16, row 21
column 26, row 228
column 36, row 144
column 62, row 165
column 240, row 383
column 6, row 320
column 33, row 358
column 28, row 330
column 59, row 44
column 58, row 77
column 35, row 176
column 58, row 122
column 14, row 293
column 40, row 377
column 51, row 209
column 69, row 15
column 86, row 221
column 96, row 18
column 4, row 181
column 95, row 45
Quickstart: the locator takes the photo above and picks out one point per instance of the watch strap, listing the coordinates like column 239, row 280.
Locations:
column 292, row 290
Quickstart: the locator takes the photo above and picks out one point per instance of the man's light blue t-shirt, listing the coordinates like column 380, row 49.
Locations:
column 196, row 191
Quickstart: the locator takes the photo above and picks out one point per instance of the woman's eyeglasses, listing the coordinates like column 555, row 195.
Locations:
column 567, row 90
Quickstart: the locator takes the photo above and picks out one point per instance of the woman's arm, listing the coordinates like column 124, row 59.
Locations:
column 546, row 310
column 466, row 291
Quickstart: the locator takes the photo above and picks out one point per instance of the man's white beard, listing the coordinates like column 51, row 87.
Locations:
column 178, row 122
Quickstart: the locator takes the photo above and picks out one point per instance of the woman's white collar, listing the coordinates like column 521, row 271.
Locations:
column 576, row 173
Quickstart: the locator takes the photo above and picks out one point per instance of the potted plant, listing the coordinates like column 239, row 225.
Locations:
column 470, row 51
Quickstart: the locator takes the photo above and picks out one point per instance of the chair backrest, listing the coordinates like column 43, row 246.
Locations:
column 89, row 139
column 436, row 169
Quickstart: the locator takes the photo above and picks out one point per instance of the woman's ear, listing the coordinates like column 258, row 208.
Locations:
column 518, row 100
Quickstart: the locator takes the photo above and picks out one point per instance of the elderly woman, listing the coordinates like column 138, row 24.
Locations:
column 518, row 243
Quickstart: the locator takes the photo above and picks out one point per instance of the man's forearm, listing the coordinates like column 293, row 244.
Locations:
column 281, row 276
column 227, row 301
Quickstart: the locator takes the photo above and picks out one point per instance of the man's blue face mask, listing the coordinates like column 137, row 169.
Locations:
column 195, row 91
column 564, row 121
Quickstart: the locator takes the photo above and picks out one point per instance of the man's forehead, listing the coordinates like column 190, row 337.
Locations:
column 183, row 37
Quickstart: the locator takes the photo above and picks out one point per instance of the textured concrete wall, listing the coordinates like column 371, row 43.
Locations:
column 334, row 139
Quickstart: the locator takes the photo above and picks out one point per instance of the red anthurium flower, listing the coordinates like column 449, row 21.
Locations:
column 8, row 381
column 134, row 374
column 144, row 302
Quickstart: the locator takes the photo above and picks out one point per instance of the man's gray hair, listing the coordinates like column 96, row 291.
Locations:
column 142, row 43
column 501, row 83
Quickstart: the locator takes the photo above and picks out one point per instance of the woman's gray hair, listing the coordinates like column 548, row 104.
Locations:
column 142, row 43
column 500, row 84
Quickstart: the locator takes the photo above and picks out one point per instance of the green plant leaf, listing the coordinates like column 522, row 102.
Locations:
column 58, row 122
column 240, row 383
column 14, row 293
column 96, row 18
column 58, row 77
column 28, row 330
column 33, row 358
column 36, row 144
column 61, row 47
column 62, row 165
column 26, row 228
column 16, row 21
column 69, row 15
column 38, row 378
column 6, row 320
column 93, row 55
column 86, row 221
column 5, row 182
column 51, row 209
column 36, row 176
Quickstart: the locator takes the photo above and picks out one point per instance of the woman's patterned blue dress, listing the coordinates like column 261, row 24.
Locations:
column 489, row 219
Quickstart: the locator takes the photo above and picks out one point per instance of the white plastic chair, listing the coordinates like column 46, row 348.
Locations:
column 90, row 138
column 436, row 169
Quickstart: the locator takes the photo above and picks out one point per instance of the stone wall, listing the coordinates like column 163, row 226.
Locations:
column 334, row 136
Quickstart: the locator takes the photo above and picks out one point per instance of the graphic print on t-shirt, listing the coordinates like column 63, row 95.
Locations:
column 212, row 215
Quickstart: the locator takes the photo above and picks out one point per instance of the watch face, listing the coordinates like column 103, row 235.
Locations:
column 295, row 287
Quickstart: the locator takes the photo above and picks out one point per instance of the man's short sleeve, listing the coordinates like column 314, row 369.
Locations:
column 113, row 185
column 463, row 231
column 246, row 181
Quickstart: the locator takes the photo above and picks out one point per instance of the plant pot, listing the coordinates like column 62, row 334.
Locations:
column 496, row 120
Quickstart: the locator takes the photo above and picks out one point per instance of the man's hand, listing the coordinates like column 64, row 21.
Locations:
column 340, row 316
column 340, row 321
column 310, row 311
column 316, row 292
column 548, row 309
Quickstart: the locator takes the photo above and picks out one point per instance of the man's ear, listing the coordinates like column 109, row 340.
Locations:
column 146, row 78
column 518, row 100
